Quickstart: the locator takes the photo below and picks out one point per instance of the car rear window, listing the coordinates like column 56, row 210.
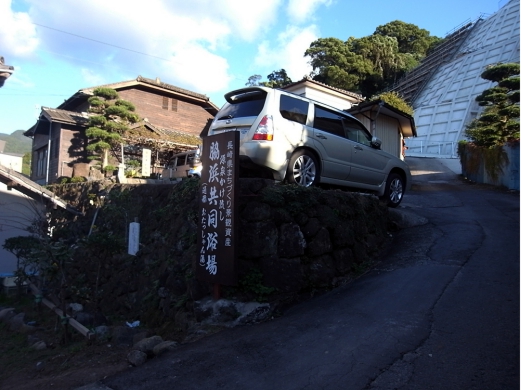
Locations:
column 243, row 105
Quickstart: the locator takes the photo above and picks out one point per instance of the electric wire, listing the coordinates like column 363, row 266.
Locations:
column 103, row 43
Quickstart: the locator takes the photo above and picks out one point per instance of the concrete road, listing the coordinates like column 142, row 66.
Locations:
column 17, row 211
column 441, row 311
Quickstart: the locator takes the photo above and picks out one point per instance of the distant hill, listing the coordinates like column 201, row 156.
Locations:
column 16, row 142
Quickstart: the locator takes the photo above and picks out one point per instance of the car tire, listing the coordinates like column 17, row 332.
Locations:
column 303, row 169
column 394, row 189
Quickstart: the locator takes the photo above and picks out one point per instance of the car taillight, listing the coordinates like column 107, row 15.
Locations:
column 264, row 131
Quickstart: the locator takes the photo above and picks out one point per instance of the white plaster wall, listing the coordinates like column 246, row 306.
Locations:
column 17, row 211
column 12, row 162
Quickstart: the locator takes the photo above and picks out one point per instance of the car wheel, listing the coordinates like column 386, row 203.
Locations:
column 394, row 190
column 303, row 169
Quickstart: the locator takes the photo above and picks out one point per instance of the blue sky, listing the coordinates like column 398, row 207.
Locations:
column 211, row 47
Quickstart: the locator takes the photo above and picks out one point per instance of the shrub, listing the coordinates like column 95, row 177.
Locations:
column 499, row 122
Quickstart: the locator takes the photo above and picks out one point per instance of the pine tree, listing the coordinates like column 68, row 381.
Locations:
column 499, row 122
column 112, row 120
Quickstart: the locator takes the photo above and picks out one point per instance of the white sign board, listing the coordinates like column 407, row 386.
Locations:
column 146, row 161
column 133, row 238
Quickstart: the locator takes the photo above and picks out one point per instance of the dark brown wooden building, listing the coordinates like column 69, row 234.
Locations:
column 173, row 119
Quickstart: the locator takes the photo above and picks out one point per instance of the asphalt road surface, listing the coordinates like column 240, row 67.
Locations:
column 441, row 311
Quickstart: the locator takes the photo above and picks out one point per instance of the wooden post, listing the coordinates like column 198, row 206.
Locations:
column 71, row 321
column 216, row 291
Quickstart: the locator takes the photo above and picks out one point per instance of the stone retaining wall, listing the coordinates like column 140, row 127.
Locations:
column 292, row 240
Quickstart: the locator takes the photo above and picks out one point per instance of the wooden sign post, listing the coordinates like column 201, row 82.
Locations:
column 217, row 211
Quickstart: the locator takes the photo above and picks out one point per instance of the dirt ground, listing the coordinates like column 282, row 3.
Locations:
column 65, row 370
column 60, row 365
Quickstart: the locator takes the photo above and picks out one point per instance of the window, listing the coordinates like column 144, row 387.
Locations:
column 295, row 110
column 357, row 132
column 41, row 162
column 181, row 160
column 243, row 105
column 173, row 104
column 329, row 121
column 165, row 103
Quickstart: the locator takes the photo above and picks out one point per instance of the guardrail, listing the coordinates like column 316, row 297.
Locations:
column 421, row 148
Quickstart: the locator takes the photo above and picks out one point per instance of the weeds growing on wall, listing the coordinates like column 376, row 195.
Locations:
column 472, row 157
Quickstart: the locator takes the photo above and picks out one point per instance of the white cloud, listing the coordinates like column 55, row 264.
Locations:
column 249, row 19
column 17, row 34
column 182, row 42
column 93, row 78
column 202, row 71
column 245, row 19
column 299, row 11
column 130, row 24
column 288, row 52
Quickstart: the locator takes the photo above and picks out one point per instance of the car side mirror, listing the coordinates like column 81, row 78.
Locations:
column 376, row 142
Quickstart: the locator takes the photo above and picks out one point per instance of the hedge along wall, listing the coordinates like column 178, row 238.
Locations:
column 292, row 240
column 479, row 165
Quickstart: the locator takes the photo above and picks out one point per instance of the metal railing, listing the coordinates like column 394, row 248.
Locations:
column 416, row 147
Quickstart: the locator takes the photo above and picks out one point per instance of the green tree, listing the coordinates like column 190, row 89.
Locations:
column 22, row 248
column 277, row 79
column 253, row 80
column 26, row 164
column 411, row 39
column 387, row 62
column 113, row 118
column 369, row 64
column 499, row 122
column 335, row 64
column 16, row 142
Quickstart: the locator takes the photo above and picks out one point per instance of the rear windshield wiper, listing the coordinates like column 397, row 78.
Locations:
column 226, row 117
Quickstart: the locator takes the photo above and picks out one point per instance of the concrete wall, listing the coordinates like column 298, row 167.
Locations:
column 447, row 103
column 509, row 178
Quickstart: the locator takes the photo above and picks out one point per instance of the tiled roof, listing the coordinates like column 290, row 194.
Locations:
column 179, row 135
column 406, row 121
column 169, row 135
column 153, row 82
column 58, row 115
column 201, row 99
column 64, row 116
column 170, row 87
column 343, row 91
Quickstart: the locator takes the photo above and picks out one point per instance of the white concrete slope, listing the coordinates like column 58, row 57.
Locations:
column 447, row 102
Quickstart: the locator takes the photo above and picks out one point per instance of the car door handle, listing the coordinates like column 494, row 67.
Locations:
column 321, row 136
column 358, row 147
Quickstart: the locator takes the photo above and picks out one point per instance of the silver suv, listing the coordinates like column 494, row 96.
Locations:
column 301, row 141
